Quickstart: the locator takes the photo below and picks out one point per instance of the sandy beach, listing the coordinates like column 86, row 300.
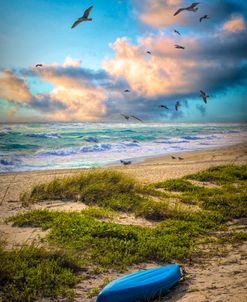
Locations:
column 215, row 273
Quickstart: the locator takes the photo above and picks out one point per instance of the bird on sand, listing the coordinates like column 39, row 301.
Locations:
column 177, row 32
column 179, row 46
column 206, row 17
column 204, row 96
column 126, row 90
column 180, row 158
column 125, row 162
column 173, row 157
column 84, row 17
column 149, row 52
column 163, row 106
column 177, row 105
column 191, row 8
column 38, row 65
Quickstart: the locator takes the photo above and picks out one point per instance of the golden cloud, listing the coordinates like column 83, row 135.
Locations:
column 162, row 73
column 235, row 24
column 13, row 88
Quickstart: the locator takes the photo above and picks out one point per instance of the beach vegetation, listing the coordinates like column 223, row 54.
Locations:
column 104, row 245
column 31, row 273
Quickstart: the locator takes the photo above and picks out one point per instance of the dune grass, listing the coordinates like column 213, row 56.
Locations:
column 229, row 200
column 105, row 245
column 31, row 273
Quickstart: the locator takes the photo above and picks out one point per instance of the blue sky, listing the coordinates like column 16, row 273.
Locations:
column 86, row 69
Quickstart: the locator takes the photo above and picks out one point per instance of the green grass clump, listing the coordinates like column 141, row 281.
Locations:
column 221, row 174
column 176, row 185
column 38, row 218
column 99, row 213
column 233, row 237
column 31, row 273
column 88, row 188
column 229, row 200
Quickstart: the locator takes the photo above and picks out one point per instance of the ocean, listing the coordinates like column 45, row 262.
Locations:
column 28, row 147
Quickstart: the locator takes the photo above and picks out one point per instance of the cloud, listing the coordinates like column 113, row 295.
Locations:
column 170, row 72
column 160, row 74
column 75, row 94
column 159, row 14
column 13, row 88
column 235, row 24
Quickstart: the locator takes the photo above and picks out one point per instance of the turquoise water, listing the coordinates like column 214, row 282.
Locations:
column 25, row 147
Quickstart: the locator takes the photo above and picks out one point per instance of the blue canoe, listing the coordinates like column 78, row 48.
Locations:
column 141, row 285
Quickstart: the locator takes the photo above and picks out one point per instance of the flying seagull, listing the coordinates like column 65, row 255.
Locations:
column 204, row 96
column 191, row 8
column 179, row 46
column 136, row 118
column 84, row 17
column 125, row 116
column 177, row 105
column 126, row 90
column 163, row 106
column 204, row 17
column 38, row 65
column 177, row 32
column 149, row 52
column 125, row 162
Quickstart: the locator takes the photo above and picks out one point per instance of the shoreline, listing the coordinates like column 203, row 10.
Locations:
column 151, row 170
column 136, row 161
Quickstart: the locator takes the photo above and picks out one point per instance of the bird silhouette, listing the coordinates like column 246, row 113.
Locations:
column 179, row 46
column 136, row 118
column 177, row 32
column 84, row 17
column 204, row 17
column 163, row 106
column 191, row 8
column 149, row 52
column 177, row 105
column 125, row 162
column 204, row 96
column 126, row 90
column 127, row 117
column 38, row 65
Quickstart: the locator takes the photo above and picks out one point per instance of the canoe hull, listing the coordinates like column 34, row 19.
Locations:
column 142, row 285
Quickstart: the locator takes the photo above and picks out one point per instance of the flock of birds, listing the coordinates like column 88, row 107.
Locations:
column 192, row 8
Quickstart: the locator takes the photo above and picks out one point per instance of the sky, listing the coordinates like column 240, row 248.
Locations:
column 87, row 69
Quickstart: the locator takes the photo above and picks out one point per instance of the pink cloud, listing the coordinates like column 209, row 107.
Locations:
column 13, row 88
column 71, row 98
column 160, row 13
column 166, row 72
column 235, row 24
